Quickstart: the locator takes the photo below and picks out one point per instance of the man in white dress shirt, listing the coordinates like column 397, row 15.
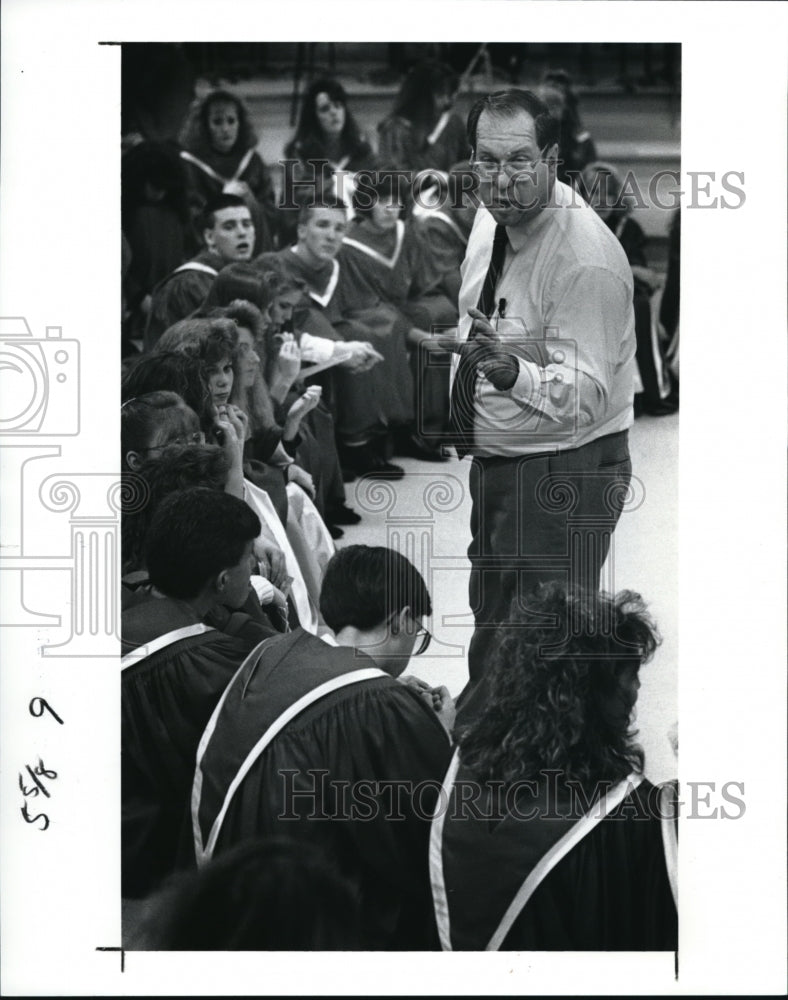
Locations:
column 544, row 373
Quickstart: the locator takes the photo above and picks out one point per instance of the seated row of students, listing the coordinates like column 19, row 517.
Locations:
column 431, row 837
column 165, row 187
column 363, row 299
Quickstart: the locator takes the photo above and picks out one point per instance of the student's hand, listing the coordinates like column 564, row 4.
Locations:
column 273, row 565
column 239, row 420
column 362, row 358
column 485, row 351
column 299, row 476
column 422, row 688
column 278, row 606
column 305, row 403
column 226, row 431
column 443, row 705
column 288, row 363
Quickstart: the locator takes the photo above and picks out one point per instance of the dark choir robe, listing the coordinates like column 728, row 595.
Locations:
column 207, row 173
column 390, row 268
column 339, row 772
column 610, row 892
column 444, row 231
column 180, row 293
column 368, row 403
column 166, row 700
column 650, row 352
column 402, row 146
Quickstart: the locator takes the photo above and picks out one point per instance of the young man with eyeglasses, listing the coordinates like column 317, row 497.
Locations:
column 320, row 741
column 544, row 373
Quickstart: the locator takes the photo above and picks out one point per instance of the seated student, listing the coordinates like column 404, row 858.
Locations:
column 275, row 894
column 308, row 449
column 175, row 668
column 347, row 736
column 220, row 157
column 163, row 450
column 385, row 263
column 559, row 845
column 305, row 425
column 605, row 187
column 367, row 403
column 444, row 223
column 228, row 235
column 422, row 130
column 309, row 545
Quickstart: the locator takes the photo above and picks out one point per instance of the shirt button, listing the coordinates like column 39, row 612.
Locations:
column 558, row 357
column 558, row 377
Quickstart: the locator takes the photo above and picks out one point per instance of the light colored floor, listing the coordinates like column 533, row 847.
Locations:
column 426, row 516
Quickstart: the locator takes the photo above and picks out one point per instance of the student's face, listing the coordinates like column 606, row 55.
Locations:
column 223, row 125
column 183, row 428
column 282, row 306
column 219, row 377
column 232, row 234
column 512, row 199
column 250, row 359
column 385, row 212
column 330, row 114
column 320, row 238
column 235, row 579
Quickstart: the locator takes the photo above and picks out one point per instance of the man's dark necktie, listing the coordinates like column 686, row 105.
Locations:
column 461, row 415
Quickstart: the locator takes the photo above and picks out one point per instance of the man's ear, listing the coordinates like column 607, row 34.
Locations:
column 219, row 583
column 300, row 230
column 133, row 460
column 207, row 238
column 400, row 622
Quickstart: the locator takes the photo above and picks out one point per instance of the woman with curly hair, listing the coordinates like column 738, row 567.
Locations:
column 548, row 836
column 219, row 153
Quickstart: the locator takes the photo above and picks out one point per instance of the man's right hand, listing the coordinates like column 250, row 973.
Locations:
column 483, row 348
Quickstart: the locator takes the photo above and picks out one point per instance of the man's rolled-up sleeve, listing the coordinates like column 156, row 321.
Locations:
column 585, row 321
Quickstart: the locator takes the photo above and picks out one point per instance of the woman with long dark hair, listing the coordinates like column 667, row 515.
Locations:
column 422, row 131
column 576, row 148
column 548, row 836
column 328, row 148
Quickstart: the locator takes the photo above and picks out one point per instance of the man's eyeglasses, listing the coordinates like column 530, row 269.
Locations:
column 423, row 639
column 518, row 164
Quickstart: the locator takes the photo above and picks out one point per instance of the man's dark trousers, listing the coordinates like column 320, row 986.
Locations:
column 537, row 518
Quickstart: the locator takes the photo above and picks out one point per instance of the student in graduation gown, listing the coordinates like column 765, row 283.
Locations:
column 176, row 666
column 386, row 265
column 423, row 132
column 228, row 235
column 549, row 837
column 219, row 156
column 603, row 184
column 444, row 222
column 369, row 401
column 342, row 737
column 325, row 152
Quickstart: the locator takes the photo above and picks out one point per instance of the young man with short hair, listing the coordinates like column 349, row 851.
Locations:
column 369, row 402
column 228, row 235
column 176, row 665
column 319, row 741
